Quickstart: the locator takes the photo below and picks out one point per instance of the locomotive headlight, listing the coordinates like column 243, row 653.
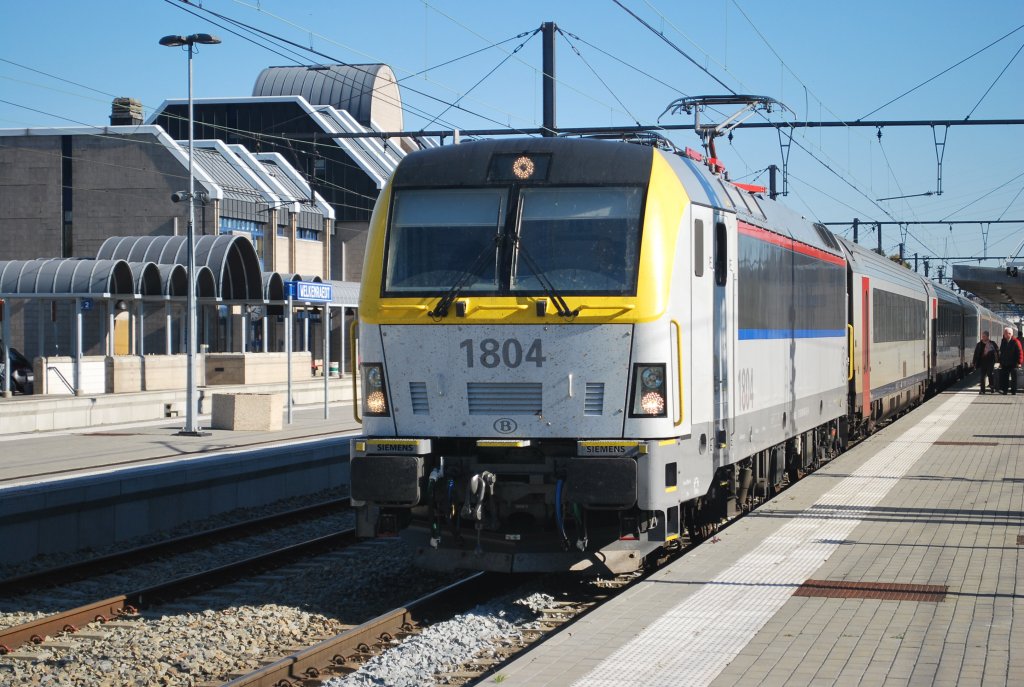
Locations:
column 652, row 377
column 375, row 397
column 648, row 398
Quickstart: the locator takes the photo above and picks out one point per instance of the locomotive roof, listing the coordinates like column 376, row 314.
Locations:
column 593, row 161
column 705, row 188
column 572, row 161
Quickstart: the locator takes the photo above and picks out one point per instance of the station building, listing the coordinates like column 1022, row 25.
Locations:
column 93, row 258
column 286, row 180
column 328, row 122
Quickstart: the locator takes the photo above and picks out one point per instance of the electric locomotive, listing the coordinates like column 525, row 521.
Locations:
column 572, row 350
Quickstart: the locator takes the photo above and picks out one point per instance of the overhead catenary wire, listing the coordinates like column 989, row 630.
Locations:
column 598, row 76
column 994, row 82
column 483, row 78
column 184, row 6
column 944, row 71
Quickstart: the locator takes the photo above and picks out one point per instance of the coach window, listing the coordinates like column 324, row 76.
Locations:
column 698, row 248
column 721, row 254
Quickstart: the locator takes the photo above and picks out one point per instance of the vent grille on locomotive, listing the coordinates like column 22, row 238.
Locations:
column 418, row 395
column 504, row 398
column 593, row 399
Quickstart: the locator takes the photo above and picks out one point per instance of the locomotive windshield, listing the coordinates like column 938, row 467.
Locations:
column 583, row 240
column 438, row 234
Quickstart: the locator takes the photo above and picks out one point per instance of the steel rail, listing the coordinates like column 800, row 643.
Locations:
column 128, row 604
column 347, row 651
column 103, row 564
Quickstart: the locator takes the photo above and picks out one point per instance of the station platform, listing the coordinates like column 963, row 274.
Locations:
column 899, row 563
column 37, row 457
column 71, row 491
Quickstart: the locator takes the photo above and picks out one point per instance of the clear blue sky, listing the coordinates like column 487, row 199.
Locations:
column 828, row 61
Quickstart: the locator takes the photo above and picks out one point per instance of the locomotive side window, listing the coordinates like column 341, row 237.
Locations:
column 721, row 254
column 698, row 248
column 438, row 234
column 583, row 240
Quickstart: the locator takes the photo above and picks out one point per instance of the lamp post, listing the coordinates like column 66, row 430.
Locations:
column 191, row 400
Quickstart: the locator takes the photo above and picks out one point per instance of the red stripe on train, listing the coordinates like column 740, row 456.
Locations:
column 786, row 242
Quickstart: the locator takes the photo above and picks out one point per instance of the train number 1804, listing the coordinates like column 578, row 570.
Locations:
column 491, row 353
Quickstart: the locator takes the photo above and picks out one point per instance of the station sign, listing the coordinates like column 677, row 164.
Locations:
column 310, row 291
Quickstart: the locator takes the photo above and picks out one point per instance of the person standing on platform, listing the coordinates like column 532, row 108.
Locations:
column 1011, row 356
column 986, row 353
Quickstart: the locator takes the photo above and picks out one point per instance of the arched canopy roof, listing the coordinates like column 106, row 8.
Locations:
column 146, row 278
column 232, row 260
column 206, row 283
column 369, row 92
column 273, row 286
column 174, row 280
column 66, row 276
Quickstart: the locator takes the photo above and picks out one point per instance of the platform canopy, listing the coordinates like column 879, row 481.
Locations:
column 992, row 284
column 232, row 260
column 66, row 276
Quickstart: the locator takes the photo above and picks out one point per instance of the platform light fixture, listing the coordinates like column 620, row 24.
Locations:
column 191, row 392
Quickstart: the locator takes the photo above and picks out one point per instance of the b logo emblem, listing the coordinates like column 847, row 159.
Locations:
column 505, row 425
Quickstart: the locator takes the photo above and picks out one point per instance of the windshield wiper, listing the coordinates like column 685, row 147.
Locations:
column 441, row 309
column 560, row 305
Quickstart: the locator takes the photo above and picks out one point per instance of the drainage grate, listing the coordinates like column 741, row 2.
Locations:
column 966, row 443
column 886, row 591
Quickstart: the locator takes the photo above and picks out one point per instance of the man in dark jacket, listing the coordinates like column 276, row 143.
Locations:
column 1011, row 356
column 986, row 353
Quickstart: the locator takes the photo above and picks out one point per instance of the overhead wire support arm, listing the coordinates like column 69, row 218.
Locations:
column 940, row 152
column 784, row 146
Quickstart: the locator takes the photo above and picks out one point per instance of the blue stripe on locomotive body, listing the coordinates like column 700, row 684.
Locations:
column 753, row 334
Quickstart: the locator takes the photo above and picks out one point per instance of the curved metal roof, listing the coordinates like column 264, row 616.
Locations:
column 232, row 259
column 173, row 280
column 206, row 283
column 66, row 276
column 273, row 286
column 146, row 277
column 369, row 92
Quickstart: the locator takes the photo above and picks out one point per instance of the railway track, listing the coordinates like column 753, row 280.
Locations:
column 571, row 598
column 346, row 652
column 355, row 648
column 130, row 603
column 68, row 572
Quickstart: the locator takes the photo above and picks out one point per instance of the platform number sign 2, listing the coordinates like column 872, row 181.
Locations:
column 511, row 353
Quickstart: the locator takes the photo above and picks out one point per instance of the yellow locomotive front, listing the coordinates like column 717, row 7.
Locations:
column 517, row 370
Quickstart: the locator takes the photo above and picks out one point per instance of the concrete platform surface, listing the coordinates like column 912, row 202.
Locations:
column 935, row 499
column 48, row 456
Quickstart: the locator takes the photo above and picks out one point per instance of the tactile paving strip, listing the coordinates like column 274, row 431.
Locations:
column 692, row 642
